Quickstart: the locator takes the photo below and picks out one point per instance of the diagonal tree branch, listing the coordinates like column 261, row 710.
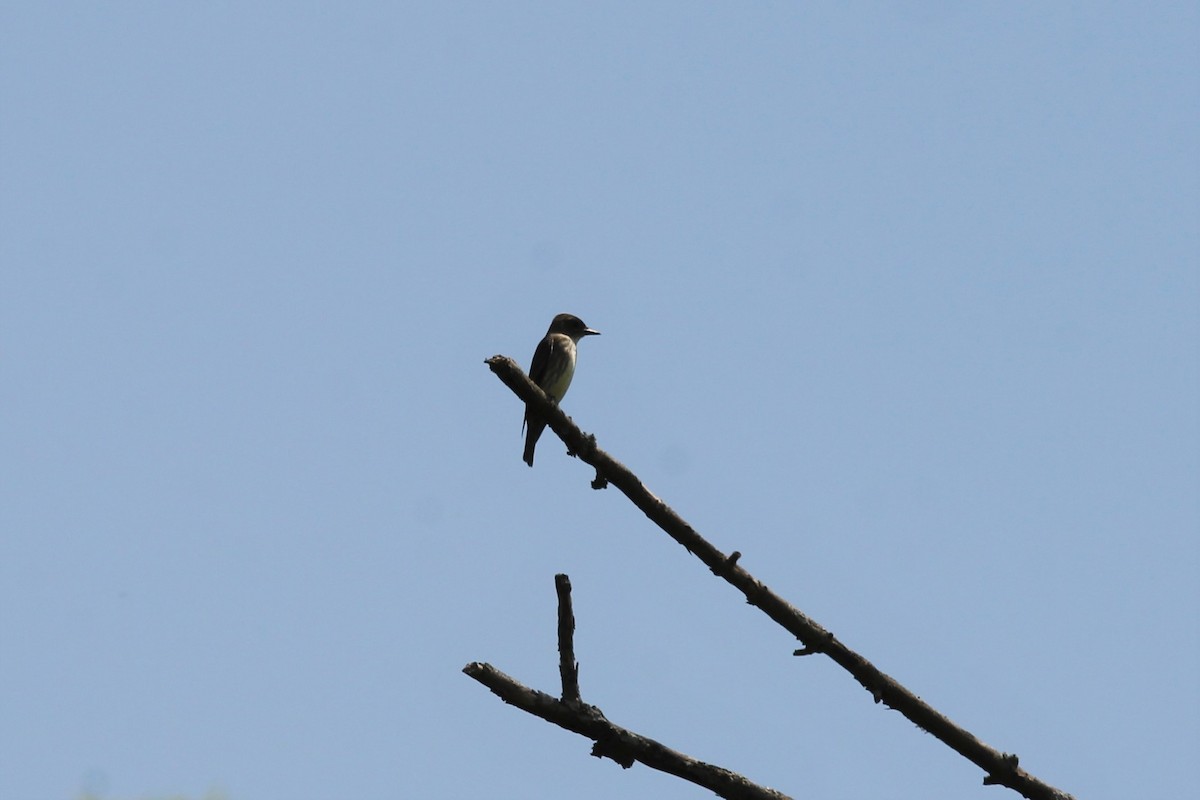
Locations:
column 611, row 741
column 1000, row 768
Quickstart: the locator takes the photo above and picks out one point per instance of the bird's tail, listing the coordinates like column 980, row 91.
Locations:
column 533, row 431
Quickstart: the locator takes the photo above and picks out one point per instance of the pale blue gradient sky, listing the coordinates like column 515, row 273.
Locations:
column 900, row 300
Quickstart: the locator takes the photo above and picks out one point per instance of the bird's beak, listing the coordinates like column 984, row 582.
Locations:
column 590, row 332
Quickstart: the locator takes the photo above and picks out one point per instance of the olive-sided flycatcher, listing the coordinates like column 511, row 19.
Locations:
column 552, row 369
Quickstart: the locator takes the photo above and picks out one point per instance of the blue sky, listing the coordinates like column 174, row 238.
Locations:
column 899, row 300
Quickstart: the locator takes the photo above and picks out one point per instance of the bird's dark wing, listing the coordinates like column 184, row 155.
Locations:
column 541, row 360
column 537, row 374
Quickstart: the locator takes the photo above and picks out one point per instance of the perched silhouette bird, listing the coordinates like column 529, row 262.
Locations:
column 552, row 369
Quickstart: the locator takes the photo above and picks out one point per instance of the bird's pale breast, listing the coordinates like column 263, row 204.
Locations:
column 561, row 367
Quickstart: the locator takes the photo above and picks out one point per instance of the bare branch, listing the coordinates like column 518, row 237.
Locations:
column 1000, row 768
column 611, row 741
column 568, row 667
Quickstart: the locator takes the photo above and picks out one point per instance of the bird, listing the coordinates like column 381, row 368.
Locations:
column 552, row 368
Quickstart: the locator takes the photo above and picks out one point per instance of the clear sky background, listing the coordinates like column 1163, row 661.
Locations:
column 898, row 299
